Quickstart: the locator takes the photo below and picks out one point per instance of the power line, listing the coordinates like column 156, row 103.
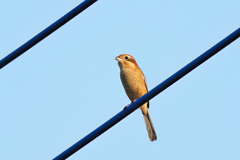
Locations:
column 40, row 36
column 155, row 91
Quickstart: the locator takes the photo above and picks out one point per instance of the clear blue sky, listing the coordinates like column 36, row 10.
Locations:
column 68, row 84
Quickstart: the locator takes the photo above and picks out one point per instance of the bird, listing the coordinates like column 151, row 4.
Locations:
column 135, row 85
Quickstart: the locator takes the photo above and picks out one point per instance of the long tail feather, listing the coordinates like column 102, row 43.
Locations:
column 150, row 129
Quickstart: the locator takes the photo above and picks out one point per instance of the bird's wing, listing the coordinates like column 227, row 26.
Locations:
column 145, row 82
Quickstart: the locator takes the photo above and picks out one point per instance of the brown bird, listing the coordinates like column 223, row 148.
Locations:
column 135, row 85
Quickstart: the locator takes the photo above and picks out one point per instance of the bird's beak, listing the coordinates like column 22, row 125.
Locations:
column 117, row 58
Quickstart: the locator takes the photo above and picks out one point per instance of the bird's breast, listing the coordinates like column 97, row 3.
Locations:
column 133, row 83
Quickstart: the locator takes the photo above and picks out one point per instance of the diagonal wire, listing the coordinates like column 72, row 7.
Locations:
column 155, row 91
column 40, row 36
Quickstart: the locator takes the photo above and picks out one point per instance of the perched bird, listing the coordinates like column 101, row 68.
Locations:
column 135, row 85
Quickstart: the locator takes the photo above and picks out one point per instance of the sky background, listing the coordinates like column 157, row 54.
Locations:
column 68, row 84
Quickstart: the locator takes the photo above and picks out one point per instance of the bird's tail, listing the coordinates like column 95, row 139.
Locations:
column 150, row 129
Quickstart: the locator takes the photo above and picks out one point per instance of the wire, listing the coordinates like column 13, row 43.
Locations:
column 155, row 91
column 60, row 22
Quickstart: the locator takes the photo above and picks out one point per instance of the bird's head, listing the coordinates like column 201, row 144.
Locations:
column 126, row 61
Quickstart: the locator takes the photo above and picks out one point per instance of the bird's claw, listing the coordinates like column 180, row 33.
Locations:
column 126, row 107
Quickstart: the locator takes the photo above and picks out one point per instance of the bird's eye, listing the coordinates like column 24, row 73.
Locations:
column 126, row 57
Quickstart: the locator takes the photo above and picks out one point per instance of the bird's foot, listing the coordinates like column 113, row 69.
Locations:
column 126, row 107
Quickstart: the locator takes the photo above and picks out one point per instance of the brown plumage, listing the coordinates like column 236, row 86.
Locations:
column 135, row 85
